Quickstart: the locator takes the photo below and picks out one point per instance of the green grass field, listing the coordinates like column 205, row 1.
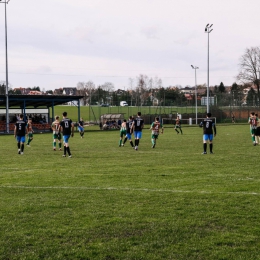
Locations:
column 110, row 202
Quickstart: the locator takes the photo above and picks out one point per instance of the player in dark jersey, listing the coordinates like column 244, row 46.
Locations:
column 138, row 126
column 67, row 129
column 208, row 126
column 20, row 130
column 129, row 131
column 81, row 127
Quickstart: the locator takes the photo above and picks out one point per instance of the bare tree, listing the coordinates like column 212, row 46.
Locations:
column 250, row 67
column 85, row 89
column 90, row 88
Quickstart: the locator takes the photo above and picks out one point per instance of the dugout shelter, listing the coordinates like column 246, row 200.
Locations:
column 111, row 121
column 30, row 104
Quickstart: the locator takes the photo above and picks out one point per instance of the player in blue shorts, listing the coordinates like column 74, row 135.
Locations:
column 137, row 127
column 81, row 127
column 129, row 131
column 208, row 125
column 20, row 130
column 67, row 129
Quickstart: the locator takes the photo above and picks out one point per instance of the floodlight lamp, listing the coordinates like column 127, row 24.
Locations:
column 210, row 30
column 211, row 25
column 207, row 25
column 206, row 29
column 192, row 66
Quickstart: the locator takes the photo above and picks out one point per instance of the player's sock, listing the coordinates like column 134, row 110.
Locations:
column 22, row 148
column 210, row 147
column 54, row 144
column 153, row 141
column 181, row 130
column 120, row 142
column 68, row 150
column 65, row 150
column 59, row 145
column 205, row 147
column 176, row 130
column 253, row 138
column 125, row 140
column 18, row 145
column 131, row 142
column 137, row 142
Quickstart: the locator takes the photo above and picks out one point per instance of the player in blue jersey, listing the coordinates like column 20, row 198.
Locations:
column 208, row 125
column 20, row 130
column 137, row 127
column 67, row 129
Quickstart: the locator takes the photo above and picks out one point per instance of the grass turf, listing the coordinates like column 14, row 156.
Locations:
column 110, row 202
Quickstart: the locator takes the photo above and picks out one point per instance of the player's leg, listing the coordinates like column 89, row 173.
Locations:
column 175, row 128
column 253, row 136
column 129, row 137
column 120, row 139
column 67, row 147
column 153, row 141
column 22, row 144
column 65, row 141
column 29, row 139
column 59, row 141
column 205, row 139
column 211, row 144
column 54, row 142
column 180, row 129
column 139, row 136
column 18, row 144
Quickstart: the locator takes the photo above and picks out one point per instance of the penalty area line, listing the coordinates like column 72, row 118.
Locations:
column 129, row 189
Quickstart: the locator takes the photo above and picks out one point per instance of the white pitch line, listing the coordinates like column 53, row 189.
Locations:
column 130, row 189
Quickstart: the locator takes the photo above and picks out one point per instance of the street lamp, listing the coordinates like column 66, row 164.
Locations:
column 6, row 70
column 195, row 68
column 208, row 30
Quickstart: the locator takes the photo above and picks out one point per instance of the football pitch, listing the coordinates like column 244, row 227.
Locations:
column 109, row 202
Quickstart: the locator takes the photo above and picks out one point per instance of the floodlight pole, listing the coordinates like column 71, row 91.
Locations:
column 196, row 99
column 6, row 69
column 208, row 31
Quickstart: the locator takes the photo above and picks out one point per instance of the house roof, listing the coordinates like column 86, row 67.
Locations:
column 36, row 100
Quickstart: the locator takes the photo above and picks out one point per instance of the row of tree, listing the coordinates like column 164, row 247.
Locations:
column 148, row 91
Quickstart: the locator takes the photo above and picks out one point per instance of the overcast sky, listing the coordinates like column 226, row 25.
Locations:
column 58, row 43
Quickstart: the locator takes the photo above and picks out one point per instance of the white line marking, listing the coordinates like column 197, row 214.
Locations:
column 130, row 189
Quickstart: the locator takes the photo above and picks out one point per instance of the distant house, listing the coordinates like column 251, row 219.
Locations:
column 69, row 91
column 58, row 91
column 187, row 90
